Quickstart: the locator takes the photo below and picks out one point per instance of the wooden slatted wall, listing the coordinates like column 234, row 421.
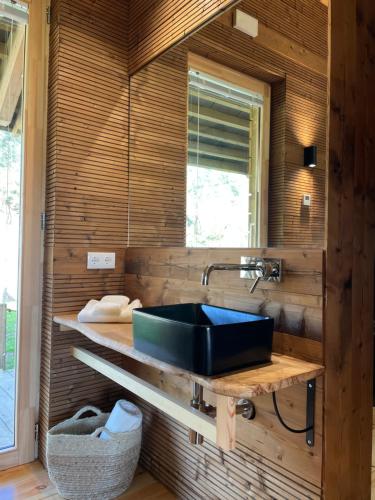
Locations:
column 269, row 462
column 87, row 190
column 157, row 183
column 158, row 25
column 87, row 209
column 291, row 57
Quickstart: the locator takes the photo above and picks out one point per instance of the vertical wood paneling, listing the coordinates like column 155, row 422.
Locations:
column 298, row 119
column 158, row 25
column 349, row 309
column 87, row 190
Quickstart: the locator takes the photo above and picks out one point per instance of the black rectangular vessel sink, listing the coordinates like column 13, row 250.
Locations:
column 201, row 338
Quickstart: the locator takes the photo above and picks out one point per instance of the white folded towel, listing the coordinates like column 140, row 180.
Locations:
column 110, row 309
column 121, row 300
column 125, row 417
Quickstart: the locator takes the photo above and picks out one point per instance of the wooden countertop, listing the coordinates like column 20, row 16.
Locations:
column 282, row 372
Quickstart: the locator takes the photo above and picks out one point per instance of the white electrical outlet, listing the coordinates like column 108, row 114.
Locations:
column 101, row 260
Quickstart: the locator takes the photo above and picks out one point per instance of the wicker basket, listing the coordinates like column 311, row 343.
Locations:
column 82, row 466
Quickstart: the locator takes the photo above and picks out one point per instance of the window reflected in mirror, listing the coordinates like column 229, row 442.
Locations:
column 227, row 170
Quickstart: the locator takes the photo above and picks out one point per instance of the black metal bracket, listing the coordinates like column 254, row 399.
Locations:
column 310, row 412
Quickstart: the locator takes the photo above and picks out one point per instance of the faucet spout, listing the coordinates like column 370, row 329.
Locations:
column 258, row 268
column 225, row 267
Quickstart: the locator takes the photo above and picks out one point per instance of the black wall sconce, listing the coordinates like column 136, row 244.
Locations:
column 310, row 156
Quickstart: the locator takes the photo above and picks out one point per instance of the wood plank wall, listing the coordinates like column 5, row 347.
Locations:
column 292, row 57
column 158, row 25
column 269, row 462
column 87, row 189
column 170, row 275
column 157, row 137
column 87, row 207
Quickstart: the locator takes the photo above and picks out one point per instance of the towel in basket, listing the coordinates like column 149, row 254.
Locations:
column 84, row 467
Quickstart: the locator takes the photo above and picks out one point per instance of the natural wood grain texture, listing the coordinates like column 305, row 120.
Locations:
column 172, row 275
column 31, row 482
column 200, row 423
column 87, row 184
column 349, row 308
column 283, row 371
column 291, row 458
column 275, row 461
column 206, row 472
column 298, row 347
column 158, row 26
column 156, row 187
column 277, row 39
column 294, row 64
column 226, row 422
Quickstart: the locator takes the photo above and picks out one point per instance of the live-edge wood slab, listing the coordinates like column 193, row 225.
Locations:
column 283, row 371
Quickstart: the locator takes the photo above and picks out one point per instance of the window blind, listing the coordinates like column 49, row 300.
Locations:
column 221, row 123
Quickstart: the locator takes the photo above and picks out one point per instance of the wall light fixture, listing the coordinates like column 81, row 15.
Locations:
column 310, row 156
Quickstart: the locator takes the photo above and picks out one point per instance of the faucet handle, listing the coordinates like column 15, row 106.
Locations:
column 254, row 285
column 262, row 268
column 261, row 272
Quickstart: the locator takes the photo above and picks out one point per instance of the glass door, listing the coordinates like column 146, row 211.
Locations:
column 13, row 22
column 24, row 34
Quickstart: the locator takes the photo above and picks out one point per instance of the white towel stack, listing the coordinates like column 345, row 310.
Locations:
column 110, row 309
column 125, row 417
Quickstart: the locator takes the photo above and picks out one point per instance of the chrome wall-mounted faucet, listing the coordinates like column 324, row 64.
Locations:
column 256, row 268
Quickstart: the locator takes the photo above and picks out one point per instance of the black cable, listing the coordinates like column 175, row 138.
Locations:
column 290, row 429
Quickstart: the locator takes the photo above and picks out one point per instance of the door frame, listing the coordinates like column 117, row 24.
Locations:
column 31, row 238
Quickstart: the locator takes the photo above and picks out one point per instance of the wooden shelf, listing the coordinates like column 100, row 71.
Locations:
column 282, row 372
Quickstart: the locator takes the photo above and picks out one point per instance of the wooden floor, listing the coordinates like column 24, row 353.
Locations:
column 30, row 482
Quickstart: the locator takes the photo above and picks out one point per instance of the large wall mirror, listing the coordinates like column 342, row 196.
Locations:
column 228, row 135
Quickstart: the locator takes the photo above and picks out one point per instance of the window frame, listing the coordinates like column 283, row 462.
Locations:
column 237, row 78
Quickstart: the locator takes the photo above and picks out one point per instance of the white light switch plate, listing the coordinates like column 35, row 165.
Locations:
column 101, row 260
column 245, row 23
column 306, row 200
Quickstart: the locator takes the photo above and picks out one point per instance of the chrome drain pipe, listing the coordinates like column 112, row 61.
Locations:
column 198, row 403
column 244, row 407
